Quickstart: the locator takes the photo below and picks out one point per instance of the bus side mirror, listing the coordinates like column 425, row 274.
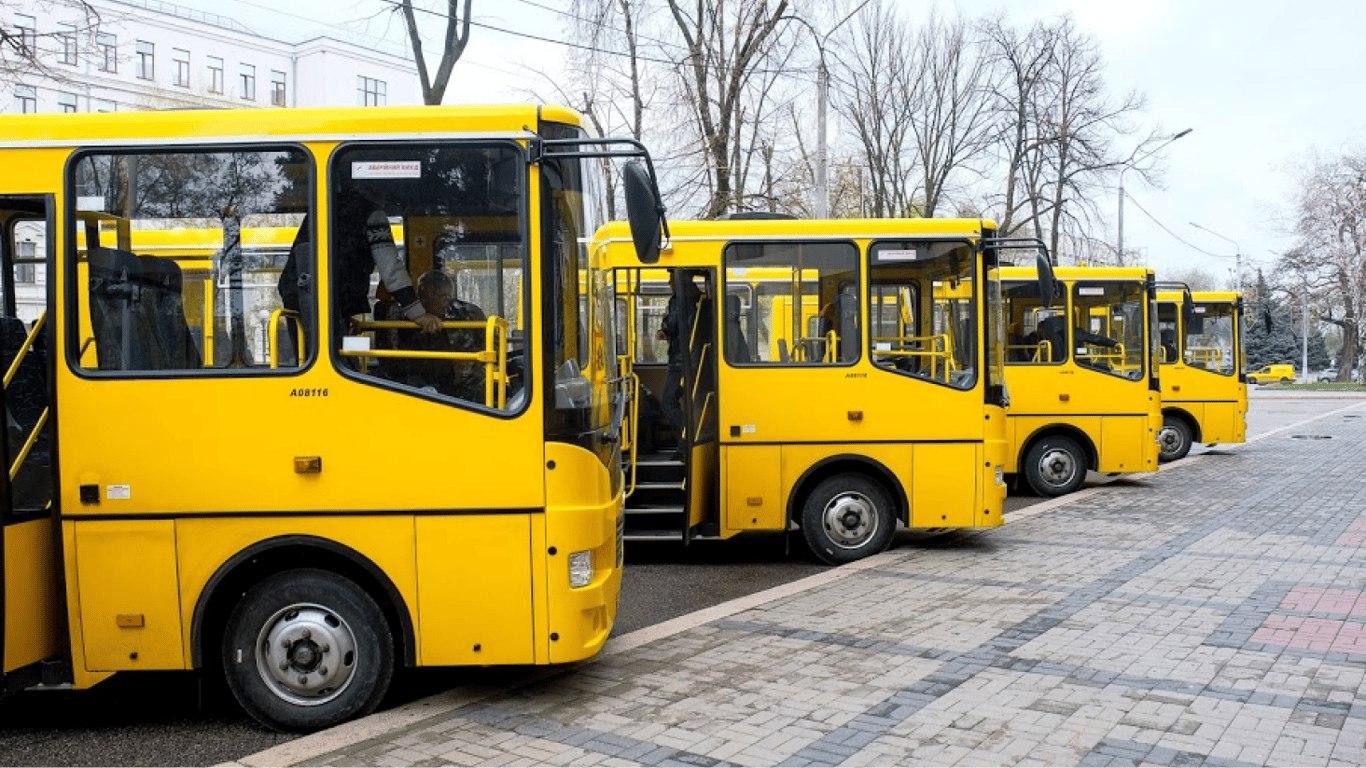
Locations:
column 1047, row 283
column 644, row 212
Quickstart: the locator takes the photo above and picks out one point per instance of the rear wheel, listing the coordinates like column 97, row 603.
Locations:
column 1055, row 466
column 847, row 517
column 1175, row 438
column 307, row 649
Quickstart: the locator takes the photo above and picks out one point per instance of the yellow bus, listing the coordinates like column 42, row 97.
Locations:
column 1204, row 382
column 840, row 378
column 1083, row 376
column 245, row 454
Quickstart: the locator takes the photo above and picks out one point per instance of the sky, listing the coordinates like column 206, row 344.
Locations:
column 1261, row 84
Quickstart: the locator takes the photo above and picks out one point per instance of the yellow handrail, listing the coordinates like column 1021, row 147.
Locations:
column 23, row 351
column 28, row 445
column 493, row 356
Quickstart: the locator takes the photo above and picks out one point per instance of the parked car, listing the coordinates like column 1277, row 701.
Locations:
column 1276, row 372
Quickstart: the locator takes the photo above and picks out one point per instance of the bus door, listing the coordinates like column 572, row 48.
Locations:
column 31, row 608
column 699, row 400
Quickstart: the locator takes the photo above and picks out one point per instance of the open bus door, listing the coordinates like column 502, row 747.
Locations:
column 699, row 407
column 32, row 611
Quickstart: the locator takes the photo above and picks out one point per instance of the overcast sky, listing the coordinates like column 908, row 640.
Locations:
column 1261, row 83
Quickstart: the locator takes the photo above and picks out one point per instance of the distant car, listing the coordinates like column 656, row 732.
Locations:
column 1280, row 373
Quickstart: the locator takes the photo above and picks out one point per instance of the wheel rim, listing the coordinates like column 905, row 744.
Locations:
column 306, row 654
column 1170, row 439
column 1057, row 467
column 850, row 520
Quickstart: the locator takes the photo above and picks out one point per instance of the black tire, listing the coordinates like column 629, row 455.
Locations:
column 1055, row 466
column 333, row 641
column 1174, row 439
column 847, row 517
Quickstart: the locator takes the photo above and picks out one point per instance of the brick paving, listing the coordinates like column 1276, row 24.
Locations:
column 1211, row 614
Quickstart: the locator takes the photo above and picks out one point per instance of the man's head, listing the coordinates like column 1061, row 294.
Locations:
column 436, row 290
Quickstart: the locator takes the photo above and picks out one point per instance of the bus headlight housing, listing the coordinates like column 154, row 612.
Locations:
column 1000, row 475
column 581, row 569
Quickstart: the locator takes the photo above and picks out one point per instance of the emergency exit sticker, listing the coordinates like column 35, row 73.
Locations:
column 392, row 169
column 118, row 492
column 898, row 255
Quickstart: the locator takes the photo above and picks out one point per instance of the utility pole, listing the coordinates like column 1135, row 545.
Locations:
column 1127, row 164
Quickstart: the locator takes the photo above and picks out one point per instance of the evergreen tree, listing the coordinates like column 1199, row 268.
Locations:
column 1270, row 334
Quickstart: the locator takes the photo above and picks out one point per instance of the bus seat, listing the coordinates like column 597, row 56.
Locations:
column 737, row 348
column 162, row 306
column 112, row 293
column 846, row 307
column 782, row 351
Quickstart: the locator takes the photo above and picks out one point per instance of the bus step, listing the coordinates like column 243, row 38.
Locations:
column 665, row 485
column 661, row 535
column 655, row 510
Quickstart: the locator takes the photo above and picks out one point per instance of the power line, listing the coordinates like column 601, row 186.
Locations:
column 1175, row 236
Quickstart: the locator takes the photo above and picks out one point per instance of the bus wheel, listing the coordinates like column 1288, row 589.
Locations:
column 847, row 517
column 1175, row 439
column 1055, row 466
column 307, row 649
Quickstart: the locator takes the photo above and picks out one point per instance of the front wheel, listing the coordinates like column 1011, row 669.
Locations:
column 1055, row 466
column 1175, row 439
column 307, row 649
column 847, row 517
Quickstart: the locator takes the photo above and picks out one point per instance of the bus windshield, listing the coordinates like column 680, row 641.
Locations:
column 581, row 326
column 1209, row 338
column 1108, row 327
column 923, row 310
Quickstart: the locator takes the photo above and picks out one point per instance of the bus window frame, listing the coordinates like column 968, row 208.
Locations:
column 725, row 265
column 75, row 299
column 977, row 275
column 524, row 235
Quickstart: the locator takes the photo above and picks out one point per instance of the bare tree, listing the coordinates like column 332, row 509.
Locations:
column 1057, row 128
column 875, row 79
column 950, row 106
column 25, row 52
column 453, row 47
column 725, row 44
column 1330, row 257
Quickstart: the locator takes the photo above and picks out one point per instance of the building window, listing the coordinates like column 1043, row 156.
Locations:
column 370, row 92
column 106, row 52
column 66, row 102
column 215, row 75
column 25, row 99
column 66, row 44
column 277, row 88
column 146, row 60
column 26, row 30
column 102, row 105
column 246, row 82
column 181, row 58
column 25, row 271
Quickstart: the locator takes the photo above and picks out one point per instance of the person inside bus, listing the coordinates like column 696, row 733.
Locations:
column 1168, row 345
column 463, row 379
column 842, row 310
column 363, row 242
column 676, row 329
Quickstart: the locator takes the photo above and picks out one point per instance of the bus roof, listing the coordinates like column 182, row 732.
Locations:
column 1080, row 273
column 320, row 123
column 1226, row 297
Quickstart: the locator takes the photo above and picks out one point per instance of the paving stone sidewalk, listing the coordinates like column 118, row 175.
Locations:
column 1211, row 614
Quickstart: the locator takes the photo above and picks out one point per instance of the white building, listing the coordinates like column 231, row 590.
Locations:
column 148, row 54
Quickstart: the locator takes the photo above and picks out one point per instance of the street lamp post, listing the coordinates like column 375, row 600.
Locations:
column 822, row 102
column 1237, row 257
column 1130, row 164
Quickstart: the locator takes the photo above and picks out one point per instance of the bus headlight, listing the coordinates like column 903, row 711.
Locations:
column 1000, row 475
column 581, row 569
